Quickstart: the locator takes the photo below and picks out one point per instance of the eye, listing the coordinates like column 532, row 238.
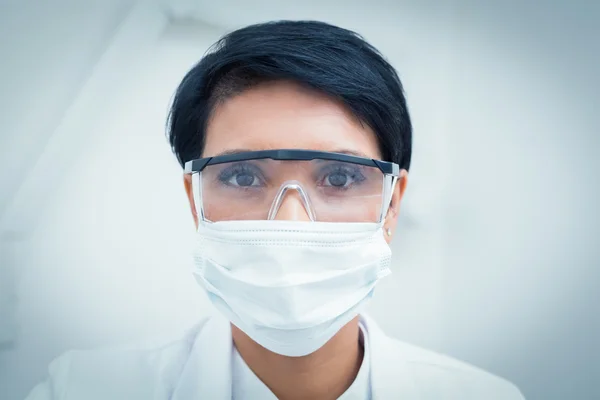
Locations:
column 243, row 179
column 342, row 177
column 243, row 176
column 338, row 179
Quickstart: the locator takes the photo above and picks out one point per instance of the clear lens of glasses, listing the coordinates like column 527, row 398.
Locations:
column 329, row 190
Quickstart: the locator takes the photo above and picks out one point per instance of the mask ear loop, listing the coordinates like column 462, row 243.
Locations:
column 285, row 187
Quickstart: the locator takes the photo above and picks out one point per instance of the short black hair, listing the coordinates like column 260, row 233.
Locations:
column 329, row 59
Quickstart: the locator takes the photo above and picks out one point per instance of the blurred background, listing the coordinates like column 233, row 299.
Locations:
column 497, row 260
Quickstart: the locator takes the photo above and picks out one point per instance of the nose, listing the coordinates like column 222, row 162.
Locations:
column 291, row 203
column 292, row 208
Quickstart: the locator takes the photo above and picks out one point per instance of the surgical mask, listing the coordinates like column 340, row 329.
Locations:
column 290, row 285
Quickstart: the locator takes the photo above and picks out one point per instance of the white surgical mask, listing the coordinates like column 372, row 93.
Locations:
column 290, row 285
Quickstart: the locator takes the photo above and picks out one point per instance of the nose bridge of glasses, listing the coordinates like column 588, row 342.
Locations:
column 294, row 196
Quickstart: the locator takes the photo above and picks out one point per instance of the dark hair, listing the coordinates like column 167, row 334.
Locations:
column 332, row 60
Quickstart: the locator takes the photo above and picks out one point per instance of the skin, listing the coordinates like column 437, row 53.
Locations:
column 284, row 115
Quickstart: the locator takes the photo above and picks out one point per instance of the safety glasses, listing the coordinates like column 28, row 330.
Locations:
column 330, row 187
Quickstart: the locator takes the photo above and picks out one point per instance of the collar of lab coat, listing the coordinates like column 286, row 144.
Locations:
column 207, row 374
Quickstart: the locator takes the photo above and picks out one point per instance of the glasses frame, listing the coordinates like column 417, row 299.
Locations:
column 390, row 170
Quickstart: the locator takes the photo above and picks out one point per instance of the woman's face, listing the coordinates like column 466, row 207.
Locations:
column 284, row 115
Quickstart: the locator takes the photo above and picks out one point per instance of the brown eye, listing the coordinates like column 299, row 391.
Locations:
column 244, row 179
column 337, row 179
column 241, row 176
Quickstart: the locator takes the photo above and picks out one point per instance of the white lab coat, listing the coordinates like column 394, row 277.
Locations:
column 198, row 366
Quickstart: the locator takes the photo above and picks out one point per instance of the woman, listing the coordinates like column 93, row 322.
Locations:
column 295, row 141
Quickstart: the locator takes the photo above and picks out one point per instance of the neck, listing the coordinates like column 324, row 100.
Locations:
column 325, row 374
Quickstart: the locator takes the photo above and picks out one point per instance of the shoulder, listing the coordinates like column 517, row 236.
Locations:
column 445, row 377
column 399, row 367
column 148, row 370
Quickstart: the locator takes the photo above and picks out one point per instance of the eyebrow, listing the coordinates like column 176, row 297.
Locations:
column 340, row 151
column 232, row 151
column 351, row 152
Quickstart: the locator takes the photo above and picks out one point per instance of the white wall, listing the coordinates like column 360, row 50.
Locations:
column 495, row 262
column 522, row 220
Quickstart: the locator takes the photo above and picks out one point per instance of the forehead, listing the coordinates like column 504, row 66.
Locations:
column 284, row 115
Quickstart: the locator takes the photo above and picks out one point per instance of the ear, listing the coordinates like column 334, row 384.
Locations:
column 391, row 218
column 187, row 183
